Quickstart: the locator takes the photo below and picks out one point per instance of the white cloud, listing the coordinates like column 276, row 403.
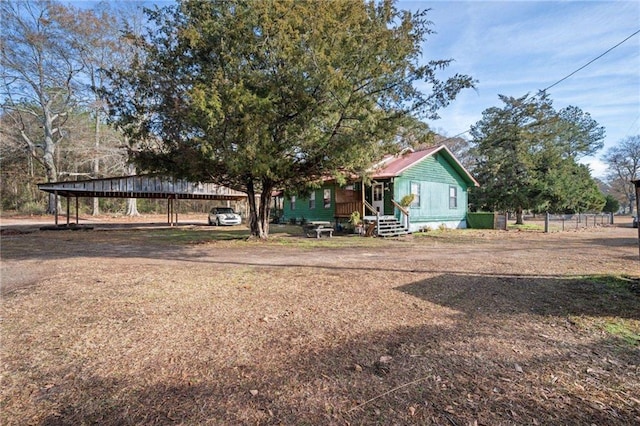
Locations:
column 514, row 48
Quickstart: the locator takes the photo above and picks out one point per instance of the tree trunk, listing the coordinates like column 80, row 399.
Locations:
column 49, row 158
column 52, row 177
column 265, row 207
column 96, row 161
column 519, row 220
column 259, row 212
column 132, row 203
column 132, row 207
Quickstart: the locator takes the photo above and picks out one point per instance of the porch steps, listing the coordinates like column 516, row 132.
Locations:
column 389, row 226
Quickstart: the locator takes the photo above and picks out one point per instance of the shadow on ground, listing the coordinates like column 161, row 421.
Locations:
column 427, row 378
column 513, row 294
column 512, row 360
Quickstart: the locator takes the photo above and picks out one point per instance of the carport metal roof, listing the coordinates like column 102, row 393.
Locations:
column 142, row 186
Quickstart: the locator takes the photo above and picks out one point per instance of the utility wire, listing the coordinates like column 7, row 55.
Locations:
column 590, row 62
column 564, row 78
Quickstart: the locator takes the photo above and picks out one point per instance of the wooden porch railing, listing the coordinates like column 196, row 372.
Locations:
column 375, row 225
column 371, row 209
column 404, row 213
column 345, row 209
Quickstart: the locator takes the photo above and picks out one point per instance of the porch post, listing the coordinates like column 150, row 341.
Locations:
column 364, row 210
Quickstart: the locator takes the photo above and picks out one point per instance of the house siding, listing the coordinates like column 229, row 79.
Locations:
column 435, row 176
column 302, row 210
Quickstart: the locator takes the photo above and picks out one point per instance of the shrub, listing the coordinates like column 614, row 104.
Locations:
column 32, row 207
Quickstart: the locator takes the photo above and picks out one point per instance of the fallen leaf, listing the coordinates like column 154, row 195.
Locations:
column 386, row 359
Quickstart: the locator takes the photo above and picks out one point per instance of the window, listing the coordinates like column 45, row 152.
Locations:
column 453, row 197
column 415, row 190
column 377, row 192
column 326, row 198
column 293, row 202
column 312, row 201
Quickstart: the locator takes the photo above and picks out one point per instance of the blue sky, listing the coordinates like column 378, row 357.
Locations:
column 518, row 47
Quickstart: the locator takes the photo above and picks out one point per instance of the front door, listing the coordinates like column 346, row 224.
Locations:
column 377, row 197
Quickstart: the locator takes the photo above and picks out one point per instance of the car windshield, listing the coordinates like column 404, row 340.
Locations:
column 225, row 210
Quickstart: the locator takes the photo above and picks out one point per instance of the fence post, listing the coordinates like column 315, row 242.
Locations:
column 546, row 222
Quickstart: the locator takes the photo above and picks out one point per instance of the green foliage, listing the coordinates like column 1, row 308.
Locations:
column 264, row 94
column 354, row 218
column 526, row 158
column 33, row 207
column 612, row 205
column 407, row 200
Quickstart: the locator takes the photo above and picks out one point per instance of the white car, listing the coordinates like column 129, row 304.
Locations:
column 224, row 216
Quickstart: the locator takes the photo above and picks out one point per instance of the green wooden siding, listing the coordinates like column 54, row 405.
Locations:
column 435, row 176
column 303, row 211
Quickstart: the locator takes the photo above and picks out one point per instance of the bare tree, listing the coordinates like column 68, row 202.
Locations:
column 39, row 70
column 624, row 166
column 99, row 47
column 51, row 61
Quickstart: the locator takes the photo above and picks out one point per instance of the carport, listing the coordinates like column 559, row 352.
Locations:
column 140, row 186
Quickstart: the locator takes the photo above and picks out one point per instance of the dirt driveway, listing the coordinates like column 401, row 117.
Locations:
column 146, row 324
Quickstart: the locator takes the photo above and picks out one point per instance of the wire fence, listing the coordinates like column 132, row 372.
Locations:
column 568, row 222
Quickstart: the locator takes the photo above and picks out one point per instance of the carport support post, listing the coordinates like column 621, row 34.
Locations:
column 637, row 184
column 177, row 209
column 77, row 211
column 68, row 210
column 55, row 193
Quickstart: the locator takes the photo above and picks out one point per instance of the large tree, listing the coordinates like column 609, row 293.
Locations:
column 49, row 60
column 38, row 70
column 259, row 95
column 526, row 156
column 624, row 166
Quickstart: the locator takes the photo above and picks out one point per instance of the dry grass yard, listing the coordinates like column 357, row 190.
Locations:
column 193, row 325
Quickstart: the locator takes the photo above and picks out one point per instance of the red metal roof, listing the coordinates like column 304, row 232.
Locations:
column 392, row 166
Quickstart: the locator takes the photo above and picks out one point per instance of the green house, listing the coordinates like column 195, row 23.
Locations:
column 437, row 180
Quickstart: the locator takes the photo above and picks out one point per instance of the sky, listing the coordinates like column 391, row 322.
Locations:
column 515, row 48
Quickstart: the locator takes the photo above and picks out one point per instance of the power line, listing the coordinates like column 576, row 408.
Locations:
column 590, row 62
column 565, row 77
